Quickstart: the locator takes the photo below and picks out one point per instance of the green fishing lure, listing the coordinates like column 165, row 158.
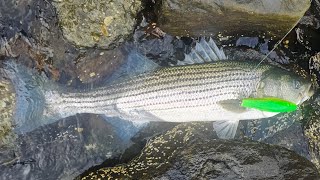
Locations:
column 269, row 104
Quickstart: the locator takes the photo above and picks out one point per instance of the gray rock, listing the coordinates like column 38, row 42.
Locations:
column 30, row 33
column 195, row 18
column 33, row 37
column 64, row 149
column 312, row 130
column 95, row 64
column 104, row 24
column 189, row 151
column 292, row 138
column 7, row 136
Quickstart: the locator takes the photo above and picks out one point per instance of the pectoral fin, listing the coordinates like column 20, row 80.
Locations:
column 232, row 105
column 226, row 129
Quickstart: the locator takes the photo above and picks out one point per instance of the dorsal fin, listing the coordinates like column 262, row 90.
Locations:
column 204, row 51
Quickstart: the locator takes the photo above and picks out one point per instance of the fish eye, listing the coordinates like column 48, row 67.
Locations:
column 296, row 84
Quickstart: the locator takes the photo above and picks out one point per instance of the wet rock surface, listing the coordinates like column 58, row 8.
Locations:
column 312, row 130
column 196, row 18
column 7, row 136
column 189, row 151
column 104, row 24
column 105, row 62
column 63, row 149
column 31, row 35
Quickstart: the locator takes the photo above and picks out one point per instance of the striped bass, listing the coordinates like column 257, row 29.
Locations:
column 195, row 90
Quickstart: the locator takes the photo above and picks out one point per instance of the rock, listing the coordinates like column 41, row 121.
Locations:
column 312, row 16
column 103, row 24
column 312, row 130
column 30, row 33
column 7, row 136
column 195, row 18
column 64, row 149
column 292, row 138
column 189, row 151
column 7, row 104
column 105, row 62
column 314, row 66
column 34, row 38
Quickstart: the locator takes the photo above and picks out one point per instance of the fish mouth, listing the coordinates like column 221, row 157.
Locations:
column 307, row 93
column 310, row 91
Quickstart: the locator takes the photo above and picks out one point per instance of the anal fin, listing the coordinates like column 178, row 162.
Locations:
column 226, row 129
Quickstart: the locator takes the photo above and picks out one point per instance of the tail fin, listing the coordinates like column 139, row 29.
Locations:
column 30, row 102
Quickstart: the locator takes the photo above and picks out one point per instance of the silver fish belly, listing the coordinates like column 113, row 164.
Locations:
column 178, row 94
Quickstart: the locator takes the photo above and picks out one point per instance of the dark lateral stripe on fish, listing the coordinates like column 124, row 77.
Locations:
column 184, row 92
column 167, row 72
column 188, row 91
column 168, row 84
column 135, row 90
column 110, row 107
column 156, row 80
column 170, row 95
column 195, row 82
column 169, row 103
column 102, row 100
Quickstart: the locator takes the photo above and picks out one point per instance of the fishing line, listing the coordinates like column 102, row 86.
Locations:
column 276, row 45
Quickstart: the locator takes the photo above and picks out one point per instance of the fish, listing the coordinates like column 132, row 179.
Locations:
column 205, row 86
